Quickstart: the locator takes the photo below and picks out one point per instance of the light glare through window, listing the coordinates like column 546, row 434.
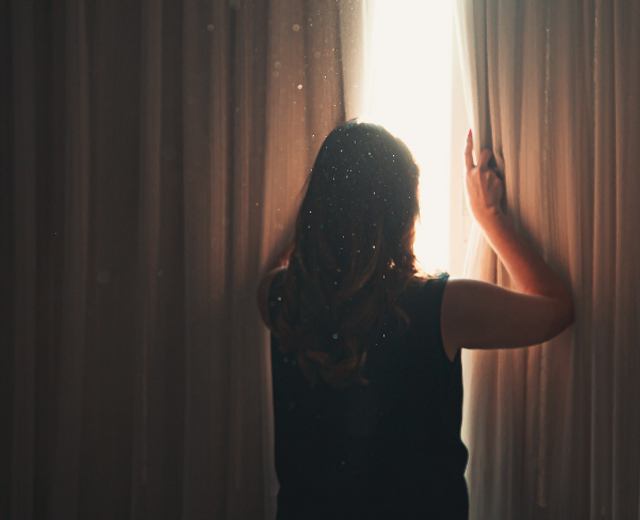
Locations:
column 408, row 78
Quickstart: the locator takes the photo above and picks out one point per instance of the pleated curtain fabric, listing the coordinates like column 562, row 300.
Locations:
column 152, row 153
column 552, row 87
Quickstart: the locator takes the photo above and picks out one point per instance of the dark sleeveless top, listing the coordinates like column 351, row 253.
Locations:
column 390, row 450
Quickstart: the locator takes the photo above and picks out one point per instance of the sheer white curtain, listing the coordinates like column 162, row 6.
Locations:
column 552, row 87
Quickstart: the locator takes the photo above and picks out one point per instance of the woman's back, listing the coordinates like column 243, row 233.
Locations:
column 367, row 380
column 389, row 449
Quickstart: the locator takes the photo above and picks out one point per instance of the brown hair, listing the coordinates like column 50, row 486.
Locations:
column 353, row 252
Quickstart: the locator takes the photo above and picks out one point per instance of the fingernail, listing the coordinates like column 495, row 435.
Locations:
column 469, row 132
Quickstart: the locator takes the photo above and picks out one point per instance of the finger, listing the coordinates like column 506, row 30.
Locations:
column 468, row 152
column 485, row 156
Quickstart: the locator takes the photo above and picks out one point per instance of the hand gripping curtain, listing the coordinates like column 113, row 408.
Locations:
column 552, row 88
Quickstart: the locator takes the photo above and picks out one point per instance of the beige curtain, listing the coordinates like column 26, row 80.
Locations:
column 552, row 87
column 152, row 154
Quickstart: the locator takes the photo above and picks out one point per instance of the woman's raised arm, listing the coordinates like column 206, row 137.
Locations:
column 481, row 315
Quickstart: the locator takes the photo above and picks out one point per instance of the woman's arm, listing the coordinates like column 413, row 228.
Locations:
column 481, row 315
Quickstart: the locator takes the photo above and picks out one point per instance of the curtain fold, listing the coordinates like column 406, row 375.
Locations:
column 551, row 429
column 153, row 157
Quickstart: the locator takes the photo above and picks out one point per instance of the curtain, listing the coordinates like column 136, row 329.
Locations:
column 551, row 87
column 152, row 155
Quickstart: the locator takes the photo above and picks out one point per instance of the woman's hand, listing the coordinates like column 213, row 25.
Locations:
column 484, row 187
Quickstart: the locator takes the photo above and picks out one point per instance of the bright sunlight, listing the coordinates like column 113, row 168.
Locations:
column 408, row 74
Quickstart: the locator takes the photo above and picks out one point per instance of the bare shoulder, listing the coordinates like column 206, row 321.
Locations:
column 263, row 294
column 480, row 315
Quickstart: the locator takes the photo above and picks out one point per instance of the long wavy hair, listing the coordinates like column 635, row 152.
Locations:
column 353, row 252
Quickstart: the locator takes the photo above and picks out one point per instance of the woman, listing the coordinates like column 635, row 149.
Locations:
column 367, row 377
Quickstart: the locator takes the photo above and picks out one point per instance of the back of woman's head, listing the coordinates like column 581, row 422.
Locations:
column 353, row 251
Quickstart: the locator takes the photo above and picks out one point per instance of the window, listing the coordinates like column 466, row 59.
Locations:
column 413, row 87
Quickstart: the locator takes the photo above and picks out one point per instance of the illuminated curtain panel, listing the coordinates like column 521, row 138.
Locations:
column 553, row 430
column 304, row 102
